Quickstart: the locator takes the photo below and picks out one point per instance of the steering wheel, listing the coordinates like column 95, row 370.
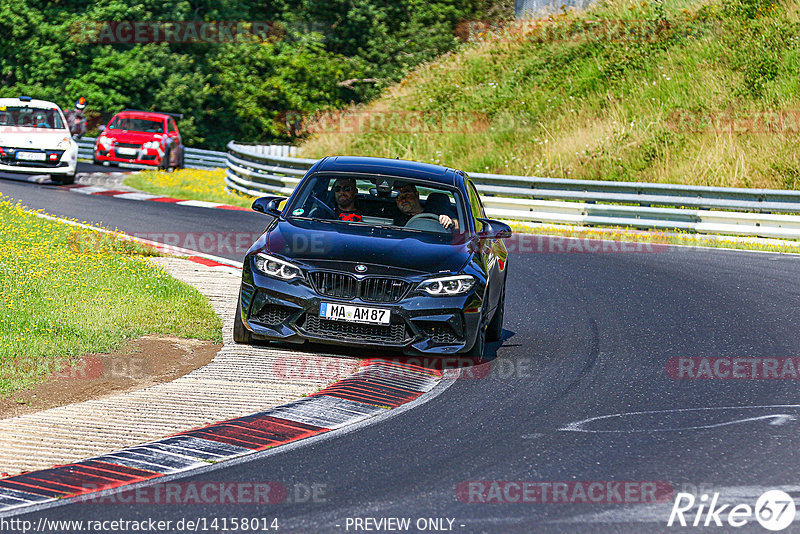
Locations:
column 324, row 206
column 426, row 221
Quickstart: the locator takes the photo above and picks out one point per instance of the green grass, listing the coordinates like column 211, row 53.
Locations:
column 189, row 184
column 609, row 106
column 65, row 292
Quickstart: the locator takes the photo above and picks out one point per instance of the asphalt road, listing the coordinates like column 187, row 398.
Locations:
column 587, row 335
column 213, row 231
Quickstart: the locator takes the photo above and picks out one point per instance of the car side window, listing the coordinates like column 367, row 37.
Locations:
column 475, row 205
column 172, row 127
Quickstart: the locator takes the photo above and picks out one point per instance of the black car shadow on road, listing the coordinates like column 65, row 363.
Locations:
column 443, row 362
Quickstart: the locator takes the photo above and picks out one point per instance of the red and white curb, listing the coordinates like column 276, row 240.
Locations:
column 378, row 386
column 128, row 195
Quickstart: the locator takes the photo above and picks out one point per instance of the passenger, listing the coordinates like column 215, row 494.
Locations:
column 345, row 190
column 409, row 205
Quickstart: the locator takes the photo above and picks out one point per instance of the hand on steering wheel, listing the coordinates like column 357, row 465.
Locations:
column 419, row 216
column 440, row 219
column 324, row 206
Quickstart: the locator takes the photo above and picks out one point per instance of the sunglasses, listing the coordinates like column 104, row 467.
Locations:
column 345, row 188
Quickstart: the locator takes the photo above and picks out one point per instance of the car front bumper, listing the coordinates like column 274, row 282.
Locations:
column 66, row 162
column 139, row 159
column 420, row 324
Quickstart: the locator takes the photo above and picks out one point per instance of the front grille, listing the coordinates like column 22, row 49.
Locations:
column 128, row 145
column 337, row 285
column 383, row 289
column 393, row 334
column 272, row 314
column 42, row 164
column 345, row 286
column 441, row 333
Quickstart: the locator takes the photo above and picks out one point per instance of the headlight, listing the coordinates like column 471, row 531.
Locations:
column 63, row 144
column 151, row 144
column 272, row 266
column 447, row 285
column 103, row 140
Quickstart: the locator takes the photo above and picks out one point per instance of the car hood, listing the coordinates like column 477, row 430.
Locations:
column 31, row 137
column 127, row 136
column 341, row 246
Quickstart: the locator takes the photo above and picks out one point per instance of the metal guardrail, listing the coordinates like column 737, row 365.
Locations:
column 194, row 158
column 698, row 209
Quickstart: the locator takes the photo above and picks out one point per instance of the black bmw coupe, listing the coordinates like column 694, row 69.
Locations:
column 372, row 252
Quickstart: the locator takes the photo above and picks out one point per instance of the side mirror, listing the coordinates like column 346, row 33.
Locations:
column 494, row 229
column 101, row 128
column 268, row 205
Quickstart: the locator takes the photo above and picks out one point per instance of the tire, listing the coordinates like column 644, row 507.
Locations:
column 240, row 333
column 476, row 352
column 63, row 179
column 495, row 329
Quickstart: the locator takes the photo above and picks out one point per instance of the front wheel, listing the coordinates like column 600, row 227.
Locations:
column 240, row 333
column 495, row 330
column 63, row 179
column 476, row 352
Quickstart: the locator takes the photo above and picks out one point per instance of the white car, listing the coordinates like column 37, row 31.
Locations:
column 35, row 139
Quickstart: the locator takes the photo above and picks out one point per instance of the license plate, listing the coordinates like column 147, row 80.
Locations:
column 354, row 314
column 30, row 156
column 126, row 151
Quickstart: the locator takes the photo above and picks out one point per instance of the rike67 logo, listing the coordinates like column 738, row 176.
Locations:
column 774, row 510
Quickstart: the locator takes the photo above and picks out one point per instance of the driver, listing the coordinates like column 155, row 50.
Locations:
column 344, row 189
column 40, row 120
column 409, row 205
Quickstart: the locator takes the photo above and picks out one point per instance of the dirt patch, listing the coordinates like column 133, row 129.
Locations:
column 139, row 363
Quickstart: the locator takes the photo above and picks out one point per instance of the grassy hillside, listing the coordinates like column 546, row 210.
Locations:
column 675, row 91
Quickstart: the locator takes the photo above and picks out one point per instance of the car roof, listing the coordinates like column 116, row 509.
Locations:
column 154, row 115
column 33, row 103
column 391, row 167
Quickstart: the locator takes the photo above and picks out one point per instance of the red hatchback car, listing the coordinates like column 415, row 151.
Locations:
column 142, row 138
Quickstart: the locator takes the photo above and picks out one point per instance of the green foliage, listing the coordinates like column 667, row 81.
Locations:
column 242, row 90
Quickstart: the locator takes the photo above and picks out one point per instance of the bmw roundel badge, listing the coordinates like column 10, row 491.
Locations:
column 361, row 268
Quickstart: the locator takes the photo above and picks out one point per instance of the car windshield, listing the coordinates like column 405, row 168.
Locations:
column 379, row 201
column 137, row 125
column 31, row 117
